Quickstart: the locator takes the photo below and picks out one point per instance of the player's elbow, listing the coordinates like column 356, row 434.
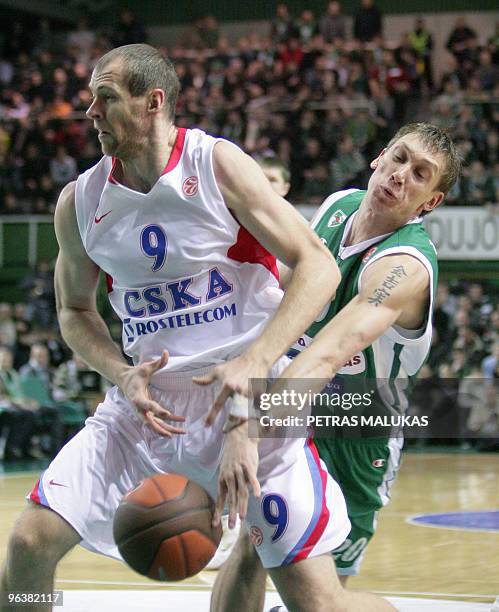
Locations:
column 327, row 270
column 65, row 316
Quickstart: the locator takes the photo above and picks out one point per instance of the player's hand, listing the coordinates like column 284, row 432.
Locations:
column 234, row 376
column 134, row 382
column 237, row 474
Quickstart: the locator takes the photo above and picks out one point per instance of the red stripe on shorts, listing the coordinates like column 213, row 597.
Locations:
column 316, row 534
column 33, row 496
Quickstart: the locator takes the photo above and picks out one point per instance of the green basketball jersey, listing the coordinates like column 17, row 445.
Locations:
column 396, row 357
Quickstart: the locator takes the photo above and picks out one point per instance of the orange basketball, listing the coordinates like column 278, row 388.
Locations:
column 163, row 528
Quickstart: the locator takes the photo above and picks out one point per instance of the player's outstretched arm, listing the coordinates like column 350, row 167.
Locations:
column 395, row 289
column 82, row 327
column 283, row 232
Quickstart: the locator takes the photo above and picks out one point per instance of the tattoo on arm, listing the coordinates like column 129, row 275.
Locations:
column 392, row 279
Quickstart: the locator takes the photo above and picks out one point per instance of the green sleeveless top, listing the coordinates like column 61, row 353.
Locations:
column 394, row 359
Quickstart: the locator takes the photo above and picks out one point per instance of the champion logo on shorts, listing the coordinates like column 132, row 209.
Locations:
column 371, row 251
column 256, row 535
column 378, row 463
column 190, row 186
column 336, row 218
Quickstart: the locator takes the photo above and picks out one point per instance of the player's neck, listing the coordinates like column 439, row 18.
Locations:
column 142, row 171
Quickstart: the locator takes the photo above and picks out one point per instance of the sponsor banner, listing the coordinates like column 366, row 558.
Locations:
column 464, row 232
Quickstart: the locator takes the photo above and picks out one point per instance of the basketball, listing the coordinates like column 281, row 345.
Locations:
column 163, row 528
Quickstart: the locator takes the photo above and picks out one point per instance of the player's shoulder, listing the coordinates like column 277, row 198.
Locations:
column 91, row 183
column 66, row 199
column 413, row 235
column 198, row 140
column 65, row 211
column 209, row 152
column 98, row 174
column 353, row 194
column 338, row 206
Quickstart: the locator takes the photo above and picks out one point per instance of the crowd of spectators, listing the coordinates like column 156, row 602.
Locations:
column 322, row 99
column 459, row 384
column 46, row 391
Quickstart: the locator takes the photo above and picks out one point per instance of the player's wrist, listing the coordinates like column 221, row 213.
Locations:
column 121, row 374
column 261, row 356
column 238, row 430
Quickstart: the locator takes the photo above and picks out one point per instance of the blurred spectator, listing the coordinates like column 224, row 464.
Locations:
column 479, row 301
column 8, row 331
column 478, row 187
column 490, row 365
column 292, row 54
column 38, row 364
column 60, row 108
column 456, row 367
column 36, row 381
column 487, row 72
column 306, row 26
column 18, row 414
column 208, row 31
column 347, row 167
column 483, row 401
column 81, row 40
column 282, row 27
column 317, row 185
column 39, row 290
column 493, row 44
column 128, row 30
column 367, row 22
column 445, row 308
column 11, row 205
column 459, row 39
column 62, row 167
column 470, row 343
column 332, row 24
column 67, row 384
column 363, row 131
column 422, row 43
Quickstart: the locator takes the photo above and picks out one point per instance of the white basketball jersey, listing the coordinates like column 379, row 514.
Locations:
column 183, row 275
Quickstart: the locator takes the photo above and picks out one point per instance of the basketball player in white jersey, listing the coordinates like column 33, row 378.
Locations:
column 180, row 222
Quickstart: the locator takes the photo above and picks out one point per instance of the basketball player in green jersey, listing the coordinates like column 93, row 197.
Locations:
column 377, row 327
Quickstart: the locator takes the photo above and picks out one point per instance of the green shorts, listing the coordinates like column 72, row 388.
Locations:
column 365, row 470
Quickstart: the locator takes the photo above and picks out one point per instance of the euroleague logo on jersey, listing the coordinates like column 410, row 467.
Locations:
column 256, row 535
column 190, row 185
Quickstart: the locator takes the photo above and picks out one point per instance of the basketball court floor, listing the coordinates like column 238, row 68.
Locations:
column 436, row 549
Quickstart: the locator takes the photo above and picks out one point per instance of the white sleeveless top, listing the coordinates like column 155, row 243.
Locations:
column 182, row 274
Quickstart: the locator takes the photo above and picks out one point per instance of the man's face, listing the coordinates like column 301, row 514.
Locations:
column 275, row 178
column 6, row 360
column 121, row 119
column 40, row 355
column 405, row 179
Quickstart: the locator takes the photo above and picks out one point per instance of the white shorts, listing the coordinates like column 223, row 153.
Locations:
column 301, row 512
